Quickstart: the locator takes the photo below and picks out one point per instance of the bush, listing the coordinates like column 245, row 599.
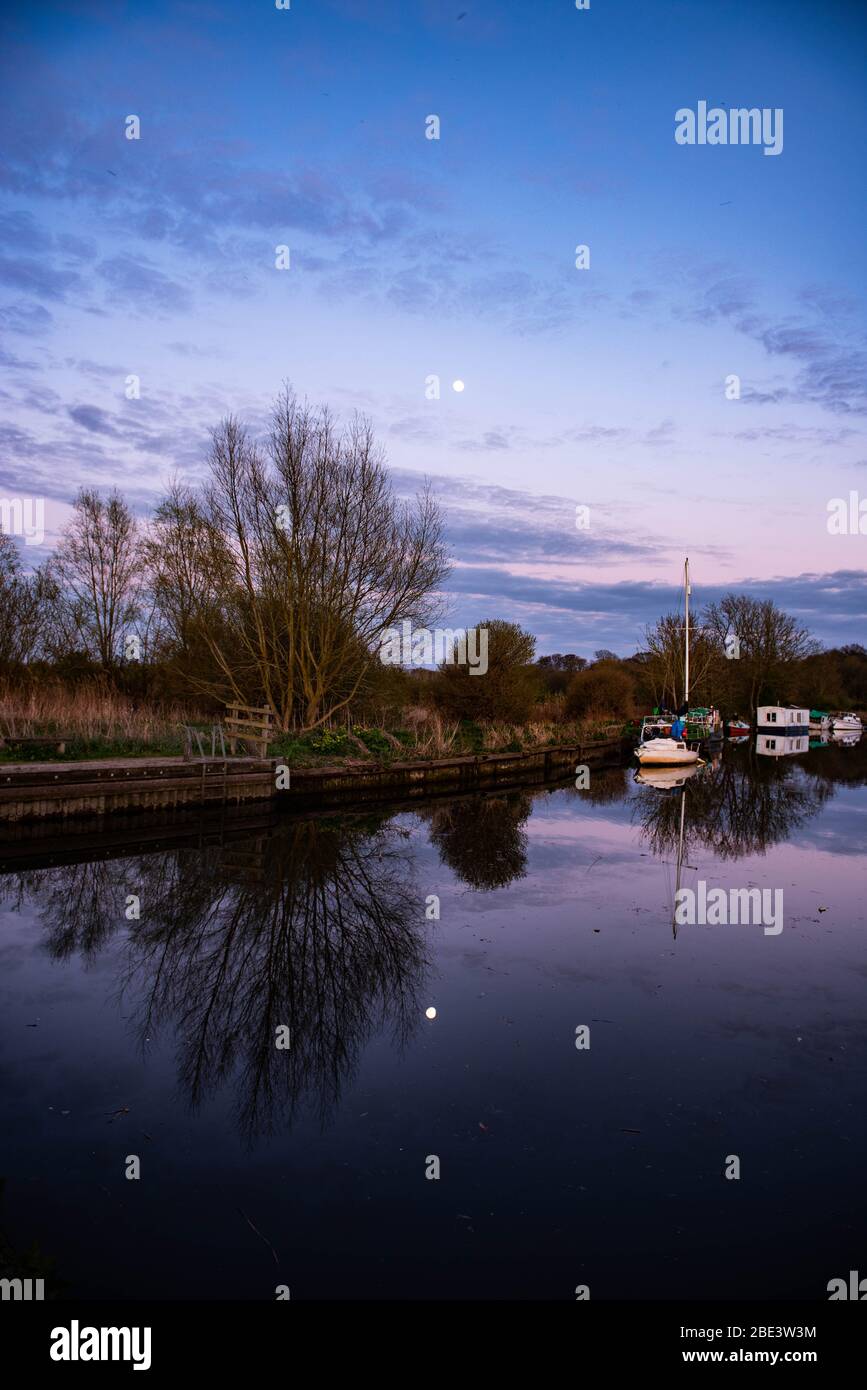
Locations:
column 604, row 688
column 506, row 691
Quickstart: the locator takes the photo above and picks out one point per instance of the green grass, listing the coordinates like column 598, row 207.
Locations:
column 85, row 749
column 315, row 749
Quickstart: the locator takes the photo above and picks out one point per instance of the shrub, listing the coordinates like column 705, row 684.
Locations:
column 506, row 691
column 605, row 688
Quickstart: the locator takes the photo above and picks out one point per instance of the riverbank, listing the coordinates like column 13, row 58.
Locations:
column 57, row 790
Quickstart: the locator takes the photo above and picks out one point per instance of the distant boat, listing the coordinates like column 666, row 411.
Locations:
column 738, row 728
column 820, row 721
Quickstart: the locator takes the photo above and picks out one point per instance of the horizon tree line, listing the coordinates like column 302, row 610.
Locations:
column 273, row 580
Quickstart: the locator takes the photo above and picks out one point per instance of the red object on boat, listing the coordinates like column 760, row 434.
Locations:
column 738, row 729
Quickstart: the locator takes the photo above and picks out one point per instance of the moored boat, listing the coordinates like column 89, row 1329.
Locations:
column 703, row 722
column 657, row 748
column 738, row 728
column 846, row 724
column 655, row 726
column 783, row 719
column 665, row 752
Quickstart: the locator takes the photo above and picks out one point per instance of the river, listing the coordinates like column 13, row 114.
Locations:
column 568, row 1119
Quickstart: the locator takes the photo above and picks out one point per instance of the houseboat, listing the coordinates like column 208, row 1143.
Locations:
column 788, row 719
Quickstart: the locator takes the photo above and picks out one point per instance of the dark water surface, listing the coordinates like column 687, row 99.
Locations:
column 559, row 1166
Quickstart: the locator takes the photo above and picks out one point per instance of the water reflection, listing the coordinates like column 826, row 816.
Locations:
column 319, row 924
column 316, row 926
column 482, row 838
column 737, row 806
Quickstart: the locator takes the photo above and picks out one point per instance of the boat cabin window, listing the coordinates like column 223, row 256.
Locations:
column 772, row 717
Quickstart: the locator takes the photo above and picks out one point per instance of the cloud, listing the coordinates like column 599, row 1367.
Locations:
column 831, row 358
column 22, row 316
column 19, row 227
column 138, row 281
column 185, row 349
column 15, row 363
column 37, row 277
column 91, row 418
column 582, row 616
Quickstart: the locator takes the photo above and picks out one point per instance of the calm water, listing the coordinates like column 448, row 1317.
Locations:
column 559, row 1167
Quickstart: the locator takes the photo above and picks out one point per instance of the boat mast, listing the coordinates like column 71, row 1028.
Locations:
column 686, row 631
column 679, row 860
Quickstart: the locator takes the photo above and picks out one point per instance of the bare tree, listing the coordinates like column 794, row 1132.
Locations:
column 664, row 661
column 769, row 645
column 300, row 559
column 22, row 606
column 98, row 571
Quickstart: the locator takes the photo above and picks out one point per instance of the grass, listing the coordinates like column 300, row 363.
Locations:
column 95, row 723
column 100, row 723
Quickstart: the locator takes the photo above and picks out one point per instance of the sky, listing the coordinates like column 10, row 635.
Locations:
column 606, row 387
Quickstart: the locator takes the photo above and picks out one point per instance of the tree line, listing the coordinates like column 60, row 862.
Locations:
column 270, row 583
column 274, row 580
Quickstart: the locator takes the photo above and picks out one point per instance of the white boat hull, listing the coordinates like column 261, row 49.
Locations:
column 665, row 752
column 846, row 724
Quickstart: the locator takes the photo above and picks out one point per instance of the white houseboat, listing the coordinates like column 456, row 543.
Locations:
column 788, row 719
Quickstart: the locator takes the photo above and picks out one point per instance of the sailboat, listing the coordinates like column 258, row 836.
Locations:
column 672, row 752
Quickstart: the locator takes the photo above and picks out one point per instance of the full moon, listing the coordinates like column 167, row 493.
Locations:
column 431, row 1012
column 457, row 385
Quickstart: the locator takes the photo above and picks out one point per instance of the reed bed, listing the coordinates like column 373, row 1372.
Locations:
column 89, row 713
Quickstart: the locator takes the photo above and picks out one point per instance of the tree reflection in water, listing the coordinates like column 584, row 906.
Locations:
column 317, row 925
column 741, row 806
column 482, row 838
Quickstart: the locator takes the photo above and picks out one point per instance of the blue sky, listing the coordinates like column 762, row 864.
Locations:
column 411, row 257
